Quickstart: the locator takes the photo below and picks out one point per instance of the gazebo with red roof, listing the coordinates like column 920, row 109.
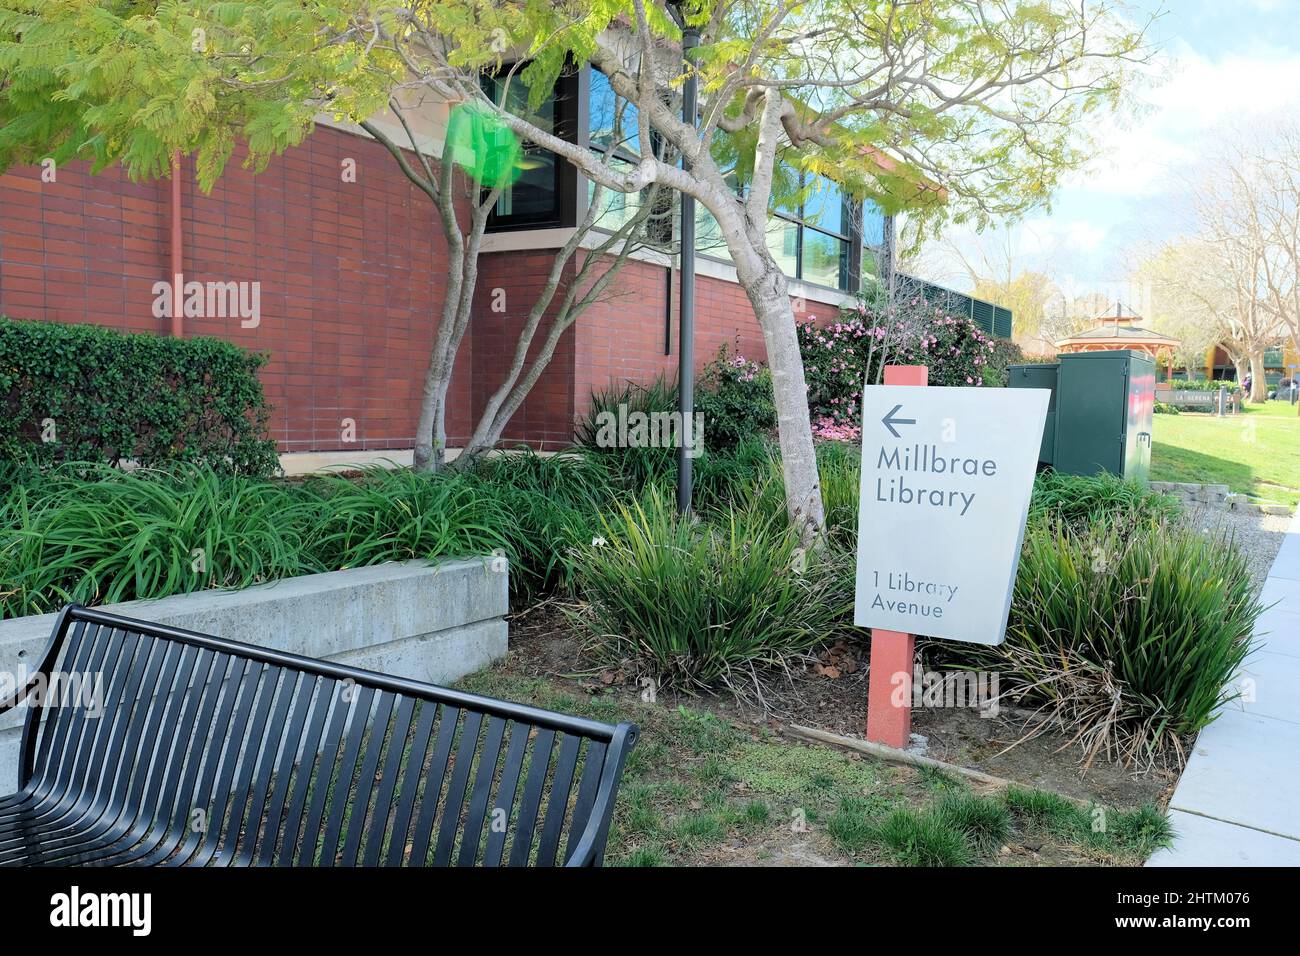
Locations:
column 1121, row 331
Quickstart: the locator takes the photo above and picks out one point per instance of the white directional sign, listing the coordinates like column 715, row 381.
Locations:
column 946, row 479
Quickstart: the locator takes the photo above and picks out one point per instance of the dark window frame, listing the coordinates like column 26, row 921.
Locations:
column 570, row 112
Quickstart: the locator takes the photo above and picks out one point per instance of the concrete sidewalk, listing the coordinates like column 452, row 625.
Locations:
column 1238, row 802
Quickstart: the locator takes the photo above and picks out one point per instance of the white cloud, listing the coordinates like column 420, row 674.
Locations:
column 1045, row 237
column 1194, row 95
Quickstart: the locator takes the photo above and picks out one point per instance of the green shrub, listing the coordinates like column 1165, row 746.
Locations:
column 736, row 476
column 750, row 476
column 696, row 604
column 1080, row 500
column 1201, row 385
column 1128, row 642
column 1164, row 408
column 398, row 514
column 90, row 394
column 1002, row 356
column 735, row 398
column 96, row 535
column 838, row 358
column 923, row 838
column 986, row 822
column 632, row 469
column 552, row 504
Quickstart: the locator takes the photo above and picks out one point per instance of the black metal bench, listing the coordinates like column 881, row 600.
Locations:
column 146, row 744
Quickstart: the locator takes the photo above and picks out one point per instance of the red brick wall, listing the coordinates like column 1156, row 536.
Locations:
column 351, row 276
column 622, row 337
column 546, row 417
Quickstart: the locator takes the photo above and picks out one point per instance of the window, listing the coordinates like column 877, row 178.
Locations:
column 811, row 232
column 873, row 225
column 542, row 193
column 612, row 125
column 816, row 233
column 611, row 119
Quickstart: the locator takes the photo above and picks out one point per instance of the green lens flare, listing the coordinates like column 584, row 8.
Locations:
column 481, row 144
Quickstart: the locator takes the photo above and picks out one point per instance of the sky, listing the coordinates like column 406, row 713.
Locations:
column 1219, row 62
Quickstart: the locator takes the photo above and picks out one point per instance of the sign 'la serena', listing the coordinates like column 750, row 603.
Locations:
column 946, row 479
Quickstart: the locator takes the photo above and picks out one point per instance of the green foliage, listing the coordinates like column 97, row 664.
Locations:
column 96, row 535
column 128, row 82
column 398, row 514
column 735, row 397
column 851, row 825
column 749, row 476
column 696, row 604
column 1002, row 356
column 923, row 839
column 1079, row 501
column 631, row 468
column 553, row 503
column 1116, row 834
column 985, row 822
column 736, row 477
column 84, row 393
column 1164, row 408
column 1128, row 640
column 1202, row 385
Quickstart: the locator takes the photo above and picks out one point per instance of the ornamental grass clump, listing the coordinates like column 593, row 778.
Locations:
column 398, row 514
column 92, row 534
column 1127, row 642
column 551, row 503
column 695, row 604
column 1081, row 500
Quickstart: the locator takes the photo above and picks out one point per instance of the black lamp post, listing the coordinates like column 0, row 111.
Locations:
column 686, row 323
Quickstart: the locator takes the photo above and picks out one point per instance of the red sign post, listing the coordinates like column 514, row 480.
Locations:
column 889, row 722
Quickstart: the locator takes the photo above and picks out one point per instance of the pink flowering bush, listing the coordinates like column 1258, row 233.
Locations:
column 838, row 358
column 735, row 397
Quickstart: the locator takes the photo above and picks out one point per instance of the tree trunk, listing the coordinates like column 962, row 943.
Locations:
column 769, row 294
column 1258, row 387
column 1242, row 366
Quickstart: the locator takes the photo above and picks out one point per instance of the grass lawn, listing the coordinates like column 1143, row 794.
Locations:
column 702, row 791
column 1257, row 453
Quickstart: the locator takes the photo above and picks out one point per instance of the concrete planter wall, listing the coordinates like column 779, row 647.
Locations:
column 429, row 622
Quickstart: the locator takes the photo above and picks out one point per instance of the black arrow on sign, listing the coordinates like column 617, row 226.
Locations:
column 889, row 421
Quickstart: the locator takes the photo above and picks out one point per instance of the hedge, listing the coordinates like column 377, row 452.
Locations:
column 85, row 393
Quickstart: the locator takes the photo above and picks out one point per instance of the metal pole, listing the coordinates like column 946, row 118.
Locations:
column 686, row 324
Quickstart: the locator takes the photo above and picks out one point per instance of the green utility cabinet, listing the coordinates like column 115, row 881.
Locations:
column 1099, row 416
column 1040, row 376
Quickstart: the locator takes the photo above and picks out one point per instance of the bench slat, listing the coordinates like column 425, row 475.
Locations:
column 365, row 785
column 264, row 846
column 487, row 769
column 410, row 788
column 466, row 747
column 286, row 845
column 388, row 783
column 591, row 770
column 530, row 806
column 273, row 741
column 448, row 723
column 504, row 803
column 558, row 805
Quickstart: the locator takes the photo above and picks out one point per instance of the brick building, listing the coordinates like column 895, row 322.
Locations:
column 351, row 271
